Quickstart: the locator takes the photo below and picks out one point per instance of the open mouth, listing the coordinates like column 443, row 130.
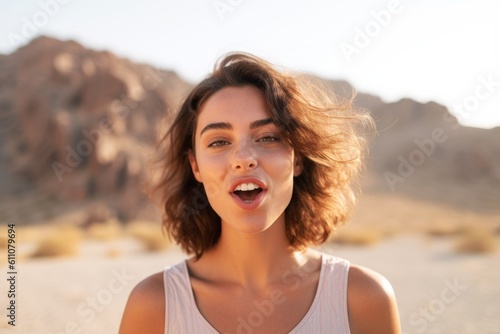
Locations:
column 247, row 192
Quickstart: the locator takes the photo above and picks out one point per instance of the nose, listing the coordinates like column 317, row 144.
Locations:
column 244, row 158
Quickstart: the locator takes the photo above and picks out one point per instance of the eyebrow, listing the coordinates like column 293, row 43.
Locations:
column 227, row 126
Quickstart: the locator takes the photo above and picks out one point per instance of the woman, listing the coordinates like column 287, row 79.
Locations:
column 258, row 168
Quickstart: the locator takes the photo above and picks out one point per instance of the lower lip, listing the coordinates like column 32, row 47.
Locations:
column 249, row 205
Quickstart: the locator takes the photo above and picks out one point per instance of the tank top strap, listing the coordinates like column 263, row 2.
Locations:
column 335, row 291
column 181, row 313
column 329, row 310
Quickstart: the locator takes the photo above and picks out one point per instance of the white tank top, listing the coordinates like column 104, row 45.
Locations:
column 327, row 314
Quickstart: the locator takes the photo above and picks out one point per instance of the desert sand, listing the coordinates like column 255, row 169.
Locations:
column 438, row 290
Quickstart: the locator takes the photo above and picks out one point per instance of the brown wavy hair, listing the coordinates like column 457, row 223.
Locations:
column 324, row 130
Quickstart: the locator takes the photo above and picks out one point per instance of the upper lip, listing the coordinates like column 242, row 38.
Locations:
column 239, row 181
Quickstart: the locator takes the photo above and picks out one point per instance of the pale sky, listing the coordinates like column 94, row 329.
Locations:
column 447, row 51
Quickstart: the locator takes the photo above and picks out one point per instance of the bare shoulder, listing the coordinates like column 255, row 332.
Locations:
column 145, row 309
column 371, row 303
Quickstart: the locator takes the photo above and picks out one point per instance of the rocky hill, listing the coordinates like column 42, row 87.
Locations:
column 79, row 125
column 422, row 151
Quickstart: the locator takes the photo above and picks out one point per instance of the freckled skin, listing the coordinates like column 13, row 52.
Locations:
column 224, row 155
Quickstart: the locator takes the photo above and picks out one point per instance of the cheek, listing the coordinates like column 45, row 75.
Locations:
column 213, row 175
column 286, row 167
column 281, row 167
column 282, row 159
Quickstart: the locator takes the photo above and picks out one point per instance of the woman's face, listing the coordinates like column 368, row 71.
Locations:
column 245, row 165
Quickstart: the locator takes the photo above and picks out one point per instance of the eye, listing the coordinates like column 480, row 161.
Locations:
column 268, row 139
column 218, row 143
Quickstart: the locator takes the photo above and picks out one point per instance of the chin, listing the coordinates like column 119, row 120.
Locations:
column 252, row 223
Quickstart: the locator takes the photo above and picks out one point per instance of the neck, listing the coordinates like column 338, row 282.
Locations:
column 254, row 260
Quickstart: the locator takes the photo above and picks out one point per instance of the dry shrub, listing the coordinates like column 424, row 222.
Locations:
column 476, row 239
column 149, row 234
column 4, row 241
column 443, row 230
column 496, row 230
column 108, row 230
column 63, row 241
column 114, row 252
column 357, row 236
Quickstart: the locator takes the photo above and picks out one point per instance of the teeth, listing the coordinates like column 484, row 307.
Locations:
column 246, row 187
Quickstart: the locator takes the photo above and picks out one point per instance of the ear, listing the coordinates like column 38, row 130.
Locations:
column 298, row 167
column 194, row 166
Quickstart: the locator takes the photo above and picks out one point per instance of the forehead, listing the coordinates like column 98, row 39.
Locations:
column 235, row 105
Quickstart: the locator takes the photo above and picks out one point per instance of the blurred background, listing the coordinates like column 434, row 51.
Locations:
column 87, row 88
